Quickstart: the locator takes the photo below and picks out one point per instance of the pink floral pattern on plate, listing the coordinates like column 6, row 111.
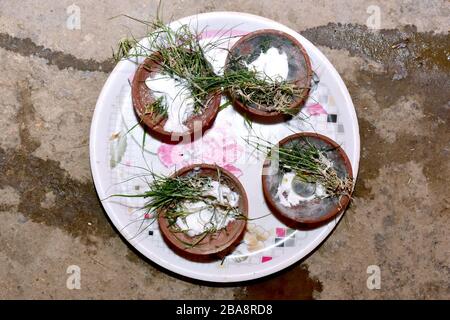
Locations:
column 315, row 109
column 216, row 146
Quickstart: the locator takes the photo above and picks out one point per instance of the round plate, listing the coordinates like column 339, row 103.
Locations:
column 120, row 158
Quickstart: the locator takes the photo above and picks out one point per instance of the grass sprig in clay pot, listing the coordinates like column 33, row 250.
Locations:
column 269, row 73
column 307, row 178
column 201, row 210
column 168, row 91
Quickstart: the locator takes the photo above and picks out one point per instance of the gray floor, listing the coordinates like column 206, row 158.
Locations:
column 398, row 78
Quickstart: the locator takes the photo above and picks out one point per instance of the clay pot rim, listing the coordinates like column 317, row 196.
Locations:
column 231, row 240
column 156, row 129
column 344, row 201
column 271, row 114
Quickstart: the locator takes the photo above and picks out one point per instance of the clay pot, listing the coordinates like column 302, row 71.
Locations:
column 142, row 96
column 249, row 47
column 315, row 211
column 215, row 244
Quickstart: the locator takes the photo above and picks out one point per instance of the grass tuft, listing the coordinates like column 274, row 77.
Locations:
column 309, row 163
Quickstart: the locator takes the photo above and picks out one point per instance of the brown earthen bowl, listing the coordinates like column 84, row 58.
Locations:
column 142, row 96
column 249, row 47
column 315, row 211
column 215, row 244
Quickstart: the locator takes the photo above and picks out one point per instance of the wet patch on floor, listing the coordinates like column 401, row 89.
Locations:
column 391, row 47
column 48, row 194
column 25, row 117
column 293, row 284
column 397, row 165
column 26, row 47
column 403, row 112
column 425, row 139
column 415, row 65
column 76, row 208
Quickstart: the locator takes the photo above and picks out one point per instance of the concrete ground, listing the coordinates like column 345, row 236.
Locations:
column 51, row 77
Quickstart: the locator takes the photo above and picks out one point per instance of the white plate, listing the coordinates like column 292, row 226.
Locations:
column 269, row 246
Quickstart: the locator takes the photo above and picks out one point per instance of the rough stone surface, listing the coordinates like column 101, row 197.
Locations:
column 52, row 218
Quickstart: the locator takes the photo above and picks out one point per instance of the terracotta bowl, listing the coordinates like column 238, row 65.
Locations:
column 315, row 211
column 249, row 47
column 142, row 96
column 215, row 244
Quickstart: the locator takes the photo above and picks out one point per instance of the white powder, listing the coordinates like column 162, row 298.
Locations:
column 176, row 96
column 216, row 57
column 288, row 197
column 202, row 216
column 271, row 65
column 223, row 193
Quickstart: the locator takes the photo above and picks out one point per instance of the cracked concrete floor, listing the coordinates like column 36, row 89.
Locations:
column 51, row 77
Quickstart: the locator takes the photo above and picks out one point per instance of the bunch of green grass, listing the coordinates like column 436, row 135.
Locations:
column 178, row 55
column 253, row 89
column 158, row 108
column 181, row 56
column 263, row 92
column 260, row 90
column 309, row 163
column 167, row 194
